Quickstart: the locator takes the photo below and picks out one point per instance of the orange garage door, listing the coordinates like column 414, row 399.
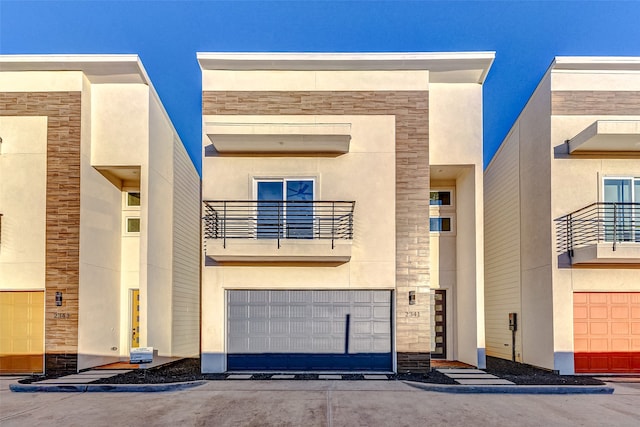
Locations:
column 21, row 332
column 606, row 330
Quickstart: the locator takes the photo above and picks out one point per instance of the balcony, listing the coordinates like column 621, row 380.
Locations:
column 601, row 233
column 278, row 231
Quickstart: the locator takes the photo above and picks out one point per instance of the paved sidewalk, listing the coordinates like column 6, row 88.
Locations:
column 469, row 381
column 319, row 403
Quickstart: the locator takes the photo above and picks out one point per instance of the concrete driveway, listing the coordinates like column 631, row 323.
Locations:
column 317, row 403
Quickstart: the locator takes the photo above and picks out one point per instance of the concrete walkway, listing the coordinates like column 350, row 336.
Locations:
column 473, row 377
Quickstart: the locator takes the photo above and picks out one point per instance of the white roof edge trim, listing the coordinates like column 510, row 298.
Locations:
column 344, row 56
column 81, row 57
column 586, row 62
column 438, row 62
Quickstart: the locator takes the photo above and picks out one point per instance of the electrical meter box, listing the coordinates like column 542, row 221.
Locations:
column 513, row 321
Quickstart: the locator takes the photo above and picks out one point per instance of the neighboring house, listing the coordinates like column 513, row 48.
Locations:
column 100, row 225
column 562, row 222
column 322, row 175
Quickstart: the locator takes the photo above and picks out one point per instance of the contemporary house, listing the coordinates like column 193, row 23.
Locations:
column 562, row 223
column 342, row 211
column 99, row 216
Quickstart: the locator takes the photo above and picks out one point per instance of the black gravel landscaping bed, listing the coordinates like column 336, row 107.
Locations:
column 189, row 370
column 521, row 373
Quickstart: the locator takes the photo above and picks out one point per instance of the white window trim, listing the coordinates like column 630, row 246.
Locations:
column 125, row 225
column 451, row 190
column 126, row 200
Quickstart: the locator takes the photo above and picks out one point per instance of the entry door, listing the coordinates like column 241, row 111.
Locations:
column 440, row 313
column 294, row 220
column 135, row 318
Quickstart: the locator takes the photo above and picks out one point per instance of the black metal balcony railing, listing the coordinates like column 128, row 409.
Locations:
column 278, row 220
column 603, row 222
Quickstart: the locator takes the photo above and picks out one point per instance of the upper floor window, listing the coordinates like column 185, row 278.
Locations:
column 440, row 224
column 621, row 222
column 622, row 190
column 282, row 208
column 442, row 211
column 440, row 198
column 133, row 198
column 131, row 211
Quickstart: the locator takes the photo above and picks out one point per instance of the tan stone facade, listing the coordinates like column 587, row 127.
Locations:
column 62, row 110
column 572, row 103
column 411, row 112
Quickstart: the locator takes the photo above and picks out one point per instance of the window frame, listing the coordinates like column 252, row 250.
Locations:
column 452, row 197
column 126, row 225
column 126, row 199
column 443, row 211
column 284, row 180
column 452, row 224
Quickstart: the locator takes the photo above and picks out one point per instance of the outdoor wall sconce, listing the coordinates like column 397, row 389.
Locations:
column 58, row 299
column 412, row 297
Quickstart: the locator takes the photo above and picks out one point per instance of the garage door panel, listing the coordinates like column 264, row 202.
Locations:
column 22, row 332
column 597, row 298
column 598, row 312
column 620, row 345
column 619, row 312
column 608, row 338
column 620, row 328
column 316, row 330
column 599, row 328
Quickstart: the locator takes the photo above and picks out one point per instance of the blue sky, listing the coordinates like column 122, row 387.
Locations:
column 525, row 35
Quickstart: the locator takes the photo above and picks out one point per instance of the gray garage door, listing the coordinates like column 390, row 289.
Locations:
column 309, row 330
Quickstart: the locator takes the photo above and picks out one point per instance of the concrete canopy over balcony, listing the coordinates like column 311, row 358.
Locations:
column 328, row 138
column 608, row 136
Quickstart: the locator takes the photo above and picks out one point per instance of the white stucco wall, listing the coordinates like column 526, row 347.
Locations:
column 99, row 308
column 455, row 143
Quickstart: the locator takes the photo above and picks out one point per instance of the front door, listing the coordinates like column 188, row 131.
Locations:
column 135, row 318
column 440, row 313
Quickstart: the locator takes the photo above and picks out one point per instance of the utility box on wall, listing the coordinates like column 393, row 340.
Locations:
column 513, row 321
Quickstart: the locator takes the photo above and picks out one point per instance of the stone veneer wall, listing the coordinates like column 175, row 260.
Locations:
column 591, row 102
column 411, row 111
column 62, row 110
